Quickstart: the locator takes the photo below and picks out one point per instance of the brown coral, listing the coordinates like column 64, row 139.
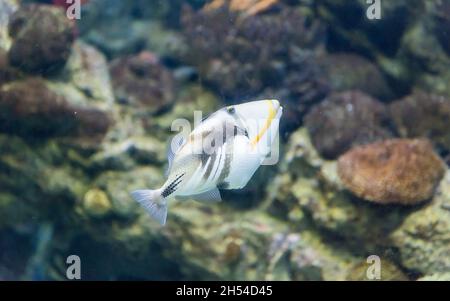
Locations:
column 401, row 171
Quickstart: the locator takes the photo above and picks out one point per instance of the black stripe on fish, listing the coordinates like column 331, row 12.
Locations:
column 171, row 188
column 226, row 167
column 210, row 166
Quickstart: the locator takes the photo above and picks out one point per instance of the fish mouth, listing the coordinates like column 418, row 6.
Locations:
column 276, row 106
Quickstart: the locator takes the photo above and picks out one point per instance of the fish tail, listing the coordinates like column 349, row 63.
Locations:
column 153, row 202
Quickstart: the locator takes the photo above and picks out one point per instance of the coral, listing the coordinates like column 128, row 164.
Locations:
column 7, row 8
column 420, row 61
column 14, row 261
column 88, row 71
column 122, row 155
column 42, row 38
column 138, row 25
column 441, row 13
column 309, row 190
column 240, row 54
column 388, row 272
column 142, row 81
column 96, row 203
column 86, row 119
column 344, row 120
column 351, row 30
column 399, row 171
column 7, row 72
column 423, row 239
column 208, row 243
column 435, row 277
column 352, row 72
column 423, row 115
column 409, row 240
column 42, row 113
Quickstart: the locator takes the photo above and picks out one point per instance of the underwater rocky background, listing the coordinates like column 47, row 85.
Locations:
column 85, row 115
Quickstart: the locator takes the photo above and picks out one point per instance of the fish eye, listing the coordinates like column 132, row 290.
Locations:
column 231, row 110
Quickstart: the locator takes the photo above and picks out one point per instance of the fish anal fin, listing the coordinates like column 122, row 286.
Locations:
column 210, row 196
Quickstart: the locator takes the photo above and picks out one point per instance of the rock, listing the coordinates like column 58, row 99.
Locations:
column 396, row 171
column 301, row 89
column 240, row 53
column 423, row 238
column 143, row 82
column 43, row 113
column 304, row 257
column 423, row 115
column 307, row 191
column 352, row 72
column 87, row 69
column 118, row 38
column 246, row 7
column 423, row 49
column 7, row 72
column 208, row 242
column 124, row 155
column 409, row 240
column 440, row 11
column 138, row 25
column 344, row 120
column 14, row 261
column 96, row 203
column 164, row 42
column 364, row 35
column 436, row 277
column 388, row 272
column 421, row 61
column 190, row 98
column 37, row 180
column 118, row 185
column 42, row 38
column 7, row 8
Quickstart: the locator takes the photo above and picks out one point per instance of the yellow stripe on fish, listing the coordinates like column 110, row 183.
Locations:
column 272, row 114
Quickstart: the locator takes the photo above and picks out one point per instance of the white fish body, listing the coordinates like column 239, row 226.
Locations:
column 223, row 151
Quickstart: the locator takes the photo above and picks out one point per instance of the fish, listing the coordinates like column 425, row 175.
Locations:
column 221, row 152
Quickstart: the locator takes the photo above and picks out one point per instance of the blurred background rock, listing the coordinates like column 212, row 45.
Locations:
column 85, row 114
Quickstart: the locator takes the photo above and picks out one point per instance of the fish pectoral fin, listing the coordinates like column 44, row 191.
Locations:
column 173, row 146
column 210, row 196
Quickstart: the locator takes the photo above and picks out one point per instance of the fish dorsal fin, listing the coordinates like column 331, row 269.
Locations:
column 210, row 196
column 174, row 145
